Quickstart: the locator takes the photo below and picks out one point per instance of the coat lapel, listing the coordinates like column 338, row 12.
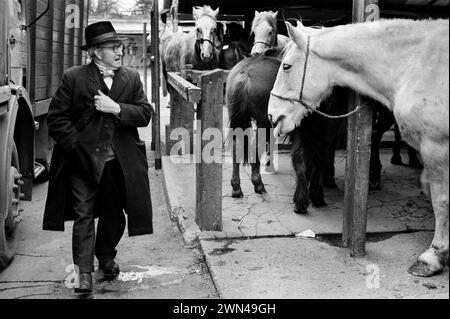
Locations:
column 95, row 81
column 119, row 83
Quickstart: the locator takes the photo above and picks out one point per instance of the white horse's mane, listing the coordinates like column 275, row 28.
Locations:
column 205, row 11
column 266, row 16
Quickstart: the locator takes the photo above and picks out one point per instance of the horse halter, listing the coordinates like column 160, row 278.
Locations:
column 267, row 44
column 201, row 40
column 300, row 99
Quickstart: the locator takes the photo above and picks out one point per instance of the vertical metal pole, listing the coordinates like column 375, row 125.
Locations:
column 358, row 155
column 144, row 55
column 156, row 83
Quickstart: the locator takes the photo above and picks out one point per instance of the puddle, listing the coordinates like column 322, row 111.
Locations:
column 223, row 250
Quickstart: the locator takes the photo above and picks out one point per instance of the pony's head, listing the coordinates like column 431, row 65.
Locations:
column 264, row 29
column 206, row 28
column 302, row 81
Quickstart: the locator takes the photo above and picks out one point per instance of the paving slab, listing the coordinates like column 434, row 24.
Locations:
column 399, row 206
column 292, row 268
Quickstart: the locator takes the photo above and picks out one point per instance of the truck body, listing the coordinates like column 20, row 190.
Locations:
column 39, row 39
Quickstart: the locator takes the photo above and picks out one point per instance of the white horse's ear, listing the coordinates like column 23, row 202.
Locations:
column 216, row 12
column 296, row 34
column 275, row 15
column 195, row 12
column 300, row 25
column 256, row 12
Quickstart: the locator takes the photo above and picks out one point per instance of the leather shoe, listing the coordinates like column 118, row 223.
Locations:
column 85, row 285
column 109, row 267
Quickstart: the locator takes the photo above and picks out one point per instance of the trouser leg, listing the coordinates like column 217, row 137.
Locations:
column 83, row 236
column 109, row 205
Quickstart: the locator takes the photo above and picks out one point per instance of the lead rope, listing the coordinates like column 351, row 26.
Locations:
column 338, row 116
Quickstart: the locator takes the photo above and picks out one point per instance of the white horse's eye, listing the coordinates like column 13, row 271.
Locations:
column 286, row 66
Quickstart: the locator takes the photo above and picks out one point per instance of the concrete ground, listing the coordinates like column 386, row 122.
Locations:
column 156, row 266
column 260, row 252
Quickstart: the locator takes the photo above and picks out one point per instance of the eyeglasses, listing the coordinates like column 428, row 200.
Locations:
column 115, row 48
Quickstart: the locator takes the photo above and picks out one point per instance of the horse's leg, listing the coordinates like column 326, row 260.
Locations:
column 413, row 159
column 256, row 178
column 256, row 166
column 396, row 158
column 235, row 179
column 328, row 176
column 383, row 123
column 434, row 259
column 315, row 186
column 301, row 198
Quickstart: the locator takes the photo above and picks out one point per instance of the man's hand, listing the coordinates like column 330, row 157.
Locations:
column 103, row 103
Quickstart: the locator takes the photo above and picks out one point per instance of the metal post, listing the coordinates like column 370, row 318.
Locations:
column 358, row 155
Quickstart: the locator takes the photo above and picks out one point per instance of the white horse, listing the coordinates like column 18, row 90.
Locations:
column 200, row 47
column 403, row 64
column 265, row 31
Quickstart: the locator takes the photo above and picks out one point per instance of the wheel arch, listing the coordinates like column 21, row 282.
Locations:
column 17, row 126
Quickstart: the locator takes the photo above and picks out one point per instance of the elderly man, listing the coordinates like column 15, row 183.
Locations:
column 99, row 165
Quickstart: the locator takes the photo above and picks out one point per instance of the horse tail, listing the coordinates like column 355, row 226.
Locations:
column 237, row 100
column 164, row 73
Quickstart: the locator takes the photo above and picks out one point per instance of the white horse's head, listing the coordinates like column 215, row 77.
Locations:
column 206, row 28
column 302, row 81
column 264, row 28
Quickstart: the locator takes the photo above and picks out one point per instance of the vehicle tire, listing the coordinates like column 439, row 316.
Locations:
column 8, row 223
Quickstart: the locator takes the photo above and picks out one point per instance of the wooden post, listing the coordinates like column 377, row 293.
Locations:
column 155, row 84
column 358, row 156
column 144, row 55
column 4, row 72
column 208, row 214
column 182, row 113
column 154, row 89
column 174, row 13
column 51, row 19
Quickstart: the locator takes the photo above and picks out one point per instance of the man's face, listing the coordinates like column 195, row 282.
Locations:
column 109, row 54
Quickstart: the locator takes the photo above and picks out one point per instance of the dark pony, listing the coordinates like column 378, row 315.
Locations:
column 236, row 46
column 247, row 98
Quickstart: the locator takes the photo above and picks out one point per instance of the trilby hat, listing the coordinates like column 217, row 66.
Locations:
column 100, row 32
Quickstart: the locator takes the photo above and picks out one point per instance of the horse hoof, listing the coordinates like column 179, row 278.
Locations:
column 301, row 211
column 318, row 203
column 237, row 194
column 396, row 160
column 260, row 189
column 422, row 269
column 374, row 186
column 329, row 184
column 415, row 164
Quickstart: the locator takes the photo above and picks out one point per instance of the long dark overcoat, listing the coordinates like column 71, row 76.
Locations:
column 82, row 136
